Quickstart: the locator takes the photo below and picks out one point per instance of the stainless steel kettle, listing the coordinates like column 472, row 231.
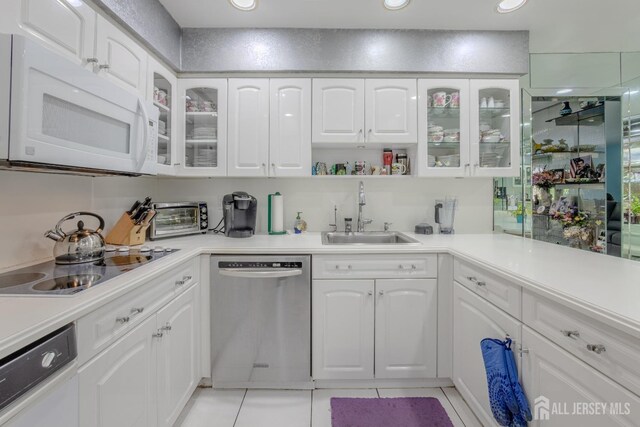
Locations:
column 78, row 246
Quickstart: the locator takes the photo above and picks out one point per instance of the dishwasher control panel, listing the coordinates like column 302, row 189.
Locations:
column 254, row 264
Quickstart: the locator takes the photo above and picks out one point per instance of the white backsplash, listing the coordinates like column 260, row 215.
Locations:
column 403, row 202
column 31, row 203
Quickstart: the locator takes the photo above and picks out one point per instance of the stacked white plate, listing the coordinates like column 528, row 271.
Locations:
column 449, row 161
column 206, row 157
column 431, row 161
column 205, row 133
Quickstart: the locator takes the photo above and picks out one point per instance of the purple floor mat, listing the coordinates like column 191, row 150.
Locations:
column 394, row 412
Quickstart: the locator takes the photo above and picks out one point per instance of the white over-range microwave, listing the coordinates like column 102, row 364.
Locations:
column 57, row 115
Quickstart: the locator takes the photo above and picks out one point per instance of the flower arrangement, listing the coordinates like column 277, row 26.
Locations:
column 543, row 179
column 573, row 217
column 579, row 227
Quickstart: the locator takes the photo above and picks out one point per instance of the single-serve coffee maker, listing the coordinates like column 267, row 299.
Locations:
column 239, row 210
column 445, row 213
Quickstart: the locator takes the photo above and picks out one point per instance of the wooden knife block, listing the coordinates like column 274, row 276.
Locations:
column 126, row 233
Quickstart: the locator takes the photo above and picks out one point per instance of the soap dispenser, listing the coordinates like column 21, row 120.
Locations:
column 300, row 225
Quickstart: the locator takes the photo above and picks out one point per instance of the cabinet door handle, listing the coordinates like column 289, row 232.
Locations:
column 123, row 319
column 476, row 281
column 180, row 282
column 596, row 348
column 523, row 351
column 360, row 135
column 91, row 60
column 157, row 335
column 570, row 334
column 104, row 66
column 381, row 293
column 185, row 278
column 137, row 310
column 370, row 293
column 166, row 327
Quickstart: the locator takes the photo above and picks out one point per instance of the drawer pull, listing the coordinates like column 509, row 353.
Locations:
column 104, row 66
column 370, row 293
column 400, row 267
column 349, row 266
column 381, row 293
column 337, row 267
column 167, row 327
column 596, row 348
column 137, row 310
column 180, row 282
column 523, row 351
column 157, row 335
column 186, row 278
column 476, row 281
column 413, row 267
column 570, row 334
column 123, row 319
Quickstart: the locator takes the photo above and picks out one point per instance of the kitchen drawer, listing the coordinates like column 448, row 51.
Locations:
column 489, row 286
column 576, row 332
column 375, row 266
column 98, row 329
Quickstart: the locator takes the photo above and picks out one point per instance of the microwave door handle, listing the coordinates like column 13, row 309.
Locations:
column 145, row 140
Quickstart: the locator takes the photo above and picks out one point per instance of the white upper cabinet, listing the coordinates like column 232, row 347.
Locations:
column 343, row 329
column 202, row 114
column 120, row 58
column 290, row 130
column 495, row 128
column 248, row 146
column 162, row 90
column 338, row 110
column 406, row 328
column 64, row 25
column 443, row 126
column 390, row 111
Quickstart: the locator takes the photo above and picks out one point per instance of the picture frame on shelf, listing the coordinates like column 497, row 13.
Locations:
column 581, row 167
column 558, row 176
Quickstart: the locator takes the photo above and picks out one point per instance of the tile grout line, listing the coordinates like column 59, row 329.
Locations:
column 311, row 420
column 240, row 408
column 378, row 393
column 453, row 406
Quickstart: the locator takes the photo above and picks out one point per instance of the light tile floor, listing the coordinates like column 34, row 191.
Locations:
column 299, row 408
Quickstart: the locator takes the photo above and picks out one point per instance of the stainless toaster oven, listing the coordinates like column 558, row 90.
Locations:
column 179, row 219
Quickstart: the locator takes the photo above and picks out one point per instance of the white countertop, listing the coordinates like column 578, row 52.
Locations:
column 604, row 287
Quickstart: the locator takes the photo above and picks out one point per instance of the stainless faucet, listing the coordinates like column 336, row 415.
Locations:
column 361, row 202
column 334, row 226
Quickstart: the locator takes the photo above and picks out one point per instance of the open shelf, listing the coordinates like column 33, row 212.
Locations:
column 593, row 116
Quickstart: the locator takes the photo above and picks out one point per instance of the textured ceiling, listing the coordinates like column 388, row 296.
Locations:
column 555, row 25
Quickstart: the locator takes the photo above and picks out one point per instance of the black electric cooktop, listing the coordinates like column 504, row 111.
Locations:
column 50, row 279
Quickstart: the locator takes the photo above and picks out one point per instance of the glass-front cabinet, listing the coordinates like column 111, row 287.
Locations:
column 162, row 90
column 495, row 128
column 444, row 127
column 469, row 127
column 204, row 108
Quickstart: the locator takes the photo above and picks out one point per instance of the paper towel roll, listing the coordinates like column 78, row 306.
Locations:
column 277, row 213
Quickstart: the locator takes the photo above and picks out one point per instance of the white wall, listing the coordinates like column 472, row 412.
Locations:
column 32, row 203
column 404, row 202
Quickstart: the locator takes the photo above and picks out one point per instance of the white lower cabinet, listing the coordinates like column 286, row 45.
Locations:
column 406, row 334
column 473, row 320
column 146, row 377
column 558, row 385
column 342, row 329
column 177, row 356
column 118, row 387
column 393, row 322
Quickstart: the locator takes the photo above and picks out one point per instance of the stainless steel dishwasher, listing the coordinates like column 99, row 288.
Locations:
column 261, row 321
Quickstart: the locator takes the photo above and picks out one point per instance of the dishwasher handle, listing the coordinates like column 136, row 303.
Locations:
column 251, row 273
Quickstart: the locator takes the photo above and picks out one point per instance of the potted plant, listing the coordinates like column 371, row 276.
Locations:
column 634, row 210
column 518, row 213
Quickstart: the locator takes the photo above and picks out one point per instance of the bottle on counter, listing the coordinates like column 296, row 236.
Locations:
column 300, row 225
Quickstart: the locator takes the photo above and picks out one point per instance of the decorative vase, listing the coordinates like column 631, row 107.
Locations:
column 566, row 109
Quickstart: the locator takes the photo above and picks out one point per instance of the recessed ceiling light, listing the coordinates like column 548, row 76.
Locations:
column 244, row 4
column 561, row 91
column 506, row 6
column 395, row 4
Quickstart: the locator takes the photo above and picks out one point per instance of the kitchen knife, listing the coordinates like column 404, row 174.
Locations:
column 139, row 210
column 134, row 207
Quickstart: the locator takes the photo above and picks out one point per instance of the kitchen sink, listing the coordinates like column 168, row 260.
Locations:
column 367, row 238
